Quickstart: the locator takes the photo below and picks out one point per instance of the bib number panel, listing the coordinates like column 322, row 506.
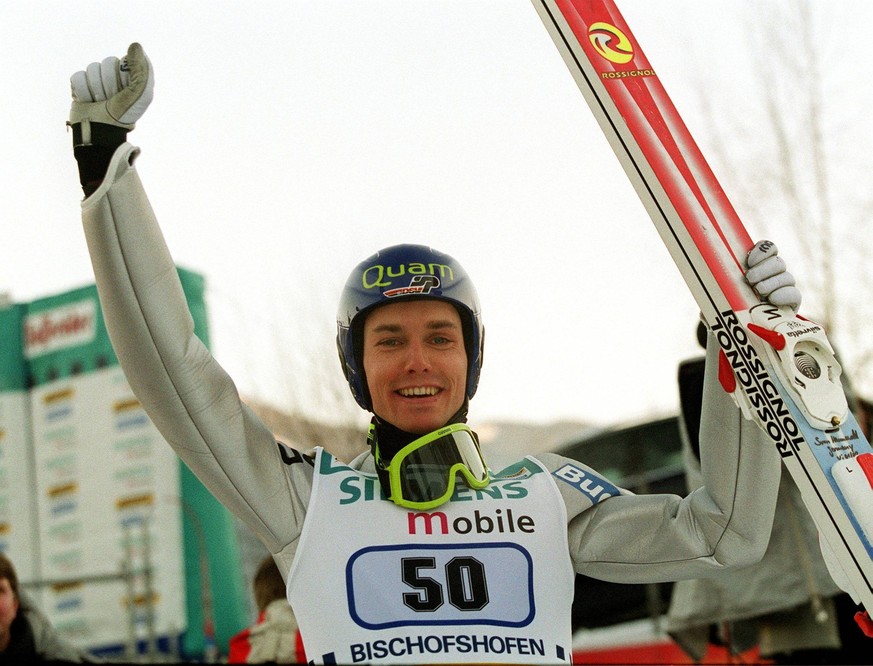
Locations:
column 441, row 585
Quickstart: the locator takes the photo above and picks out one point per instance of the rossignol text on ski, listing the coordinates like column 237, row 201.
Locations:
column 778, row 366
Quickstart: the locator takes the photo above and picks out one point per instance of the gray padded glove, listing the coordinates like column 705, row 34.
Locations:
column 112, row 92
column 769, row 277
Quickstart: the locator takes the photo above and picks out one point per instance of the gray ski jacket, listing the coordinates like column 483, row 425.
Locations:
column 196, row 407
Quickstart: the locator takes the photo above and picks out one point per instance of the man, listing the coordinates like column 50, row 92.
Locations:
column 463, row 564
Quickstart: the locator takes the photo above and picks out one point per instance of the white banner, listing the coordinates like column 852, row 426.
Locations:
column 107, row 487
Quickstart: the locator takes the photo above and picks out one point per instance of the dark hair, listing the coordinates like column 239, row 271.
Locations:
column 268, row 584
column 7, row 571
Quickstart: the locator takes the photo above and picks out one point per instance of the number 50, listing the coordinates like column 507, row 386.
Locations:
column 465, row 582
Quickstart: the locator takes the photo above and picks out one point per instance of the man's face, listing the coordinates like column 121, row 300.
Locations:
column 8, row 608
column 415, row 363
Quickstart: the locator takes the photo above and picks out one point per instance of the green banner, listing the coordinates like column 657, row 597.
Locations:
column 64, row 334
column 13, row 367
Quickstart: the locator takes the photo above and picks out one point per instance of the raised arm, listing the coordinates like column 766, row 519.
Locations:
column 187, row 394
column 727, row 522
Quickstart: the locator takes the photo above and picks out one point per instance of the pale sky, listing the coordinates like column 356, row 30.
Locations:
column 290, row 139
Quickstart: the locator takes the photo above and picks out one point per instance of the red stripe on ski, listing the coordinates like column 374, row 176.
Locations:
column 659, row 130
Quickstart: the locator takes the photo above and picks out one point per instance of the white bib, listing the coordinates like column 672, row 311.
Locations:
column 485, row 577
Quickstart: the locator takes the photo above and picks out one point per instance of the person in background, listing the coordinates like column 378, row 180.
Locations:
column 26, row 635
column 794, row 614
column 274, row 638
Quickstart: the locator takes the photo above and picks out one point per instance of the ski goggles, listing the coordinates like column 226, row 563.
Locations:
column 422, row 474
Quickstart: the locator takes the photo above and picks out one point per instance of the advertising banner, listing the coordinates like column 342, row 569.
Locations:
column 106, row 539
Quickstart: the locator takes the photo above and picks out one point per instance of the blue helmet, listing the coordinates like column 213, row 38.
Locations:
column 405, row 272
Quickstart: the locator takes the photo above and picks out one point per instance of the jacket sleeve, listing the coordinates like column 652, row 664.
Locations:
column 725, row 523
column 186, row 393
column 48, row 645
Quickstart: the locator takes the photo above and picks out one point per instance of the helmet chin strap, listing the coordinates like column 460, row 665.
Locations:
column 390, row 439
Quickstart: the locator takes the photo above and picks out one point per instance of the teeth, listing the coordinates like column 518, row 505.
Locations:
column 418, row 390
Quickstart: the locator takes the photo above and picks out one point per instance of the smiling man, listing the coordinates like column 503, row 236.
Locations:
column 415, row 364
column 416, row 551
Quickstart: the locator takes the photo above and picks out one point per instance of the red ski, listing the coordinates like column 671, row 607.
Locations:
column 779, row 367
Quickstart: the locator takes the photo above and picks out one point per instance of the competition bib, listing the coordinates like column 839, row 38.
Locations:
column 485, row 577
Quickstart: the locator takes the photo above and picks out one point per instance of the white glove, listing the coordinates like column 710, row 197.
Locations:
column 113, row 92
column 769, row 277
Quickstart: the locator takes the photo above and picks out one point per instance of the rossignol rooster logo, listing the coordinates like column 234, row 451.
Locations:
column 610, row 42
column 419, row 284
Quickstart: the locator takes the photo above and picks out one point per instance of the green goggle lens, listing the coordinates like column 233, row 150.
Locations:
column 422, row 474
